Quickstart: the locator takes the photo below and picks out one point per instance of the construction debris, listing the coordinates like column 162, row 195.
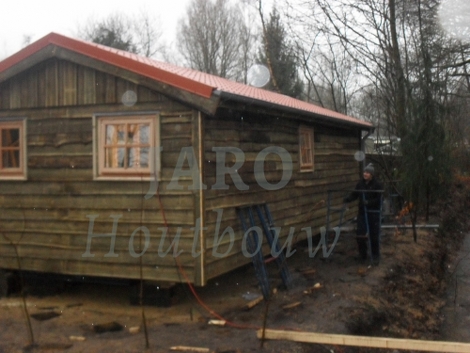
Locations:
column 134, row 329
column 217, row 322
column 313, row 288
column 362, row 341
column 291, row 306
column 409, row 226
column 190, row 349
column 253, row 303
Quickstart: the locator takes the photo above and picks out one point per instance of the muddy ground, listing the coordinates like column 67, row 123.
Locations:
column 402, row 297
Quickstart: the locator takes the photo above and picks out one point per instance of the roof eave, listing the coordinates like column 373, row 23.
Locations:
column 225, row 96
column 11, row 63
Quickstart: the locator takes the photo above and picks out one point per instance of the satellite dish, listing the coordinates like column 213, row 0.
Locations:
column 258, row 75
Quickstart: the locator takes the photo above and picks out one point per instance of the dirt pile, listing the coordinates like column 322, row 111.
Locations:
column 408, row 302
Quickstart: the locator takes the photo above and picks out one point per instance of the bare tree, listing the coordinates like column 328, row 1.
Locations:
column 209, row 38
column 141, row 35
column 148, row 36
column 248, row 45
column 405, row 63
column 330, row 74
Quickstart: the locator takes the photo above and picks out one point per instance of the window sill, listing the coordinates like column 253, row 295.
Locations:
column 14, row 177
column 123, row 178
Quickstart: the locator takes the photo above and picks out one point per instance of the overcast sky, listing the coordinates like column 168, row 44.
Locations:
column 37, row 18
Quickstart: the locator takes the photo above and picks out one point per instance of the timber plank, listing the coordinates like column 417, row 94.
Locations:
column 4, row 95
column 59, row 175
column 78, row 236
column 87, row 111
column 86, row 175
column 100, row 255
column 109, row 270
column 176, row 130
column 110, row 84
column 360, row 341
column 59, row 125
column 178, row 117
column 97, row 188
column 32, row 89
column 51, row 80
column 15, row 96
column 62, row 150
column 182, row 217
column 88, row 94
column 101, row 88
column 60, row 139
column 84, row 161
column 67, row 83
column 205, row 104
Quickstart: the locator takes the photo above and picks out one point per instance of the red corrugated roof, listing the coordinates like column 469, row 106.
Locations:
column 187, row 79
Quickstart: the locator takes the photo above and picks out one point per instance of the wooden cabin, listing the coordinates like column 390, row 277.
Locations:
column 107, row 158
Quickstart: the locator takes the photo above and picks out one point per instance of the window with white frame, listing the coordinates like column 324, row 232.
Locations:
column 126, row 146
column 12, row 149
column 306, row 149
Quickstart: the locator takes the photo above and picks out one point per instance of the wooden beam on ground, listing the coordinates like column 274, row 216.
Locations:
column 190, row 349
column 362, row 341
column 409, row 226
column 253, row 303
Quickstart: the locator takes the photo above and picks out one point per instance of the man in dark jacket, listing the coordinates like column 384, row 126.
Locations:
column 369, row 192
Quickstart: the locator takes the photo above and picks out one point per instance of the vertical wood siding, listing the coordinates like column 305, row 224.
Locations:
column 58, row 83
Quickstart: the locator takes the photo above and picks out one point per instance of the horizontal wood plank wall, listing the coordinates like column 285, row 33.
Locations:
column 48, row 216
column 291, row 206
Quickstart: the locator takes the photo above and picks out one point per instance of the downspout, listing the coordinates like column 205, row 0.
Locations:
column 201, row 199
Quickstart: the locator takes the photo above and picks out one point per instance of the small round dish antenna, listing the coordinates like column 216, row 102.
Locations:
column 258, row 76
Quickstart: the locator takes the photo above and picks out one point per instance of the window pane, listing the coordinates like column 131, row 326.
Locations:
column 144, row 157
column 144, row 134
column 114, row 157
column 306, row 148
column 10, row 137
column 302, row 140
column 131, row 138
column 138, row 157
column 115, row 134
column 132, row 161
column 10, row 159
column 305, row 157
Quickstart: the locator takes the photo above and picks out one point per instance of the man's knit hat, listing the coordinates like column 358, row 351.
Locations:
column 370, row 169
